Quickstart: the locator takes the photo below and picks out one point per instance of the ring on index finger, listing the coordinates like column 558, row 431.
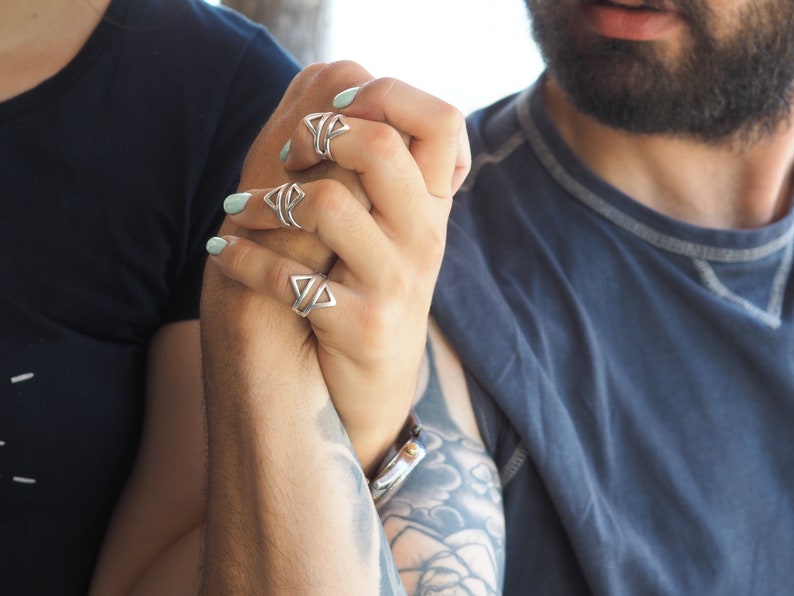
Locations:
column 324, row 127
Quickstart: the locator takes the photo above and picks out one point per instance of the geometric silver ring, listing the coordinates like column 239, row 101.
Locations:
column 308, row 297
column 283, row 199
column 324, row 127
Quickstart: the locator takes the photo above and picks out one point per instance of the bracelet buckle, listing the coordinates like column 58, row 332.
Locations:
column 392, row 475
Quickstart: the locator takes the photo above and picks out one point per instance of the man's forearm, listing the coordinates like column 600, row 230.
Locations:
column 289, row 510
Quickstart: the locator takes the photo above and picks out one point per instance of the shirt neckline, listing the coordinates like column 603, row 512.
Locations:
column 651, row 226
column 111, row 22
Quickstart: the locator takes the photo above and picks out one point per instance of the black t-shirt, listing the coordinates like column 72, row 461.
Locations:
column 112, row 174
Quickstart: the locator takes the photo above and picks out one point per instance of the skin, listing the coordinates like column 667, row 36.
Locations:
column 272, row 378
column 37, row 39
column 154, row 543
column 730, row 184
column 727, row 184
column 709, row 186
column 367, row 280
column 288, row 508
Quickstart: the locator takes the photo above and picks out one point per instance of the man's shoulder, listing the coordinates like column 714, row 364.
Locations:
column 492, row 125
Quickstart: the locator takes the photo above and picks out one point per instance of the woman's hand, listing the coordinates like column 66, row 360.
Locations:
column 285, row 488
column 409, row 153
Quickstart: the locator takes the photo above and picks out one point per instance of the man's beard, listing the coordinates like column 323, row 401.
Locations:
column 734, row 89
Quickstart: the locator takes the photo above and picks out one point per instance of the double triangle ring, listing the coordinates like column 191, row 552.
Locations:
column 309, row 295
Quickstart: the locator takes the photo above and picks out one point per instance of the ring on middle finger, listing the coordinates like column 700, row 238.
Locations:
column 324, row 126
column 282, row 200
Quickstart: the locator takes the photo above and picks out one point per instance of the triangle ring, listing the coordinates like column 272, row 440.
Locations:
column 307, row 300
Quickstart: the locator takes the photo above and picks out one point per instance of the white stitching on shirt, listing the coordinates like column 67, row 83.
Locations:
column 515, row 141
column 713, row 283
column 513, row 465
column 775, row 306
column 628, row 223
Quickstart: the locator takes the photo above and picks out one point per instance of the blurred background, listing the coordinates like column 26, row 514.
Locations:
column 468, row 52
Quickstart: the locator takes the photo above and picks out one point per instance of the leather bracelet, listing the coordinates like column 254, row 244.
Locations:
column 409, row 449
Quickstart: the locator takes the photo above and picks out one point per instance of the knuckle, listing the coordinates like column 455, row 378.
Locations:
column 386, row 142
column 448, row 117
column 279, row 275
column 435, row 241
column 302, row 81
column 387, row 89
column 309, row 72
column 238, row 258
column 376, row 322
column 330, row 198
column 383, row 86
column 427, row 240
column 342, row 73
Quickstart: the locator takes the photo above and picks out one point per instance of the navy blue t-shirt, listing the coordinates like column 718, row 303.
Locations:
column 112, row 176
column 633, row 375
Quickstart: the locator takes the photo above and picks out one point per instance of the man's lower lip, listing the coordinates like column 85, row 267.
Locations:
column 611, row 20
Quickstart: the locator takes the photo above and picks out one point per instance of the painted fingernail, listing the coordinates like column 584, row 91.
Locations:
column 285, row 151
column 216, row 245
column 234, row 204
column 345, row 98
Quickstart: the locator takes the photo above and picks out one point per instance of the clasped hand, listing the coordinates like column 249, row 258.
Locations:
column 373, row 220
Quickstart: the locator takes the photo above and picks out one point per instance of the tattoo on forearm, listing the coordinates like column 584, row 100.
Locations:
column 364, row 519
column 390, row 581
column 443, row 532
column 367, row 528
column 446, row 525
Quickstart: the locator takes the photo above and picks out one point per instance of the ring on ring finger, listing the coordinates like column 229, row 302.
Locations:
column 308, row 297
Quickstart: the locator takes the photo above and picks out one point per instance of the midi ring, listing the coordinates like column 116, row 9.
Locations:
column 305, row 299
column 324, row 127
column 283, row 199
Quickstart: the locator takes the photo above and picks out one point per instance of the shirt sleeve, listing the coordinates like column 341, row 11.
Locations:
column 263, row 73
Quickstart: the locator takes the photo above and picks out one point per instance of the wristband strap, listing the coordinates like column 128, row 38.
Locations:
column 410, row 448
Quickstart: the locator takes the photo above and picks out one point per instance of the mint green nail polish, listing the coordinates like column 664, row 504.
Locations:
column 235, row 203
column 285, row 151
column 345, row 98
column 216, row 245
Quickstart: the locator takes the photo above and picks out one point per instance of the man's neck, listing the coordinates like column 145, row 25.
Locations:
column 39, row 37
column 706, row 185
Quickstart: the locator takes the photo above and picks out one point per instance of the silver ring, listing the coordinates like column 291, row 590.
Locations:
column 324, row 127
column 305, row 299
column 283, row 200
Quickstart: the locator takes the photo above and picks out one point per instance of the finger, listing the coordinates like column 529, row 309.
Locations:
column 299, row 289
column 328, row 209
column 262, row 168
column 439, row 142
column 388, row 172
column 311, row 90
column 266, row 209
column 319, row 83
column 342, row 318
